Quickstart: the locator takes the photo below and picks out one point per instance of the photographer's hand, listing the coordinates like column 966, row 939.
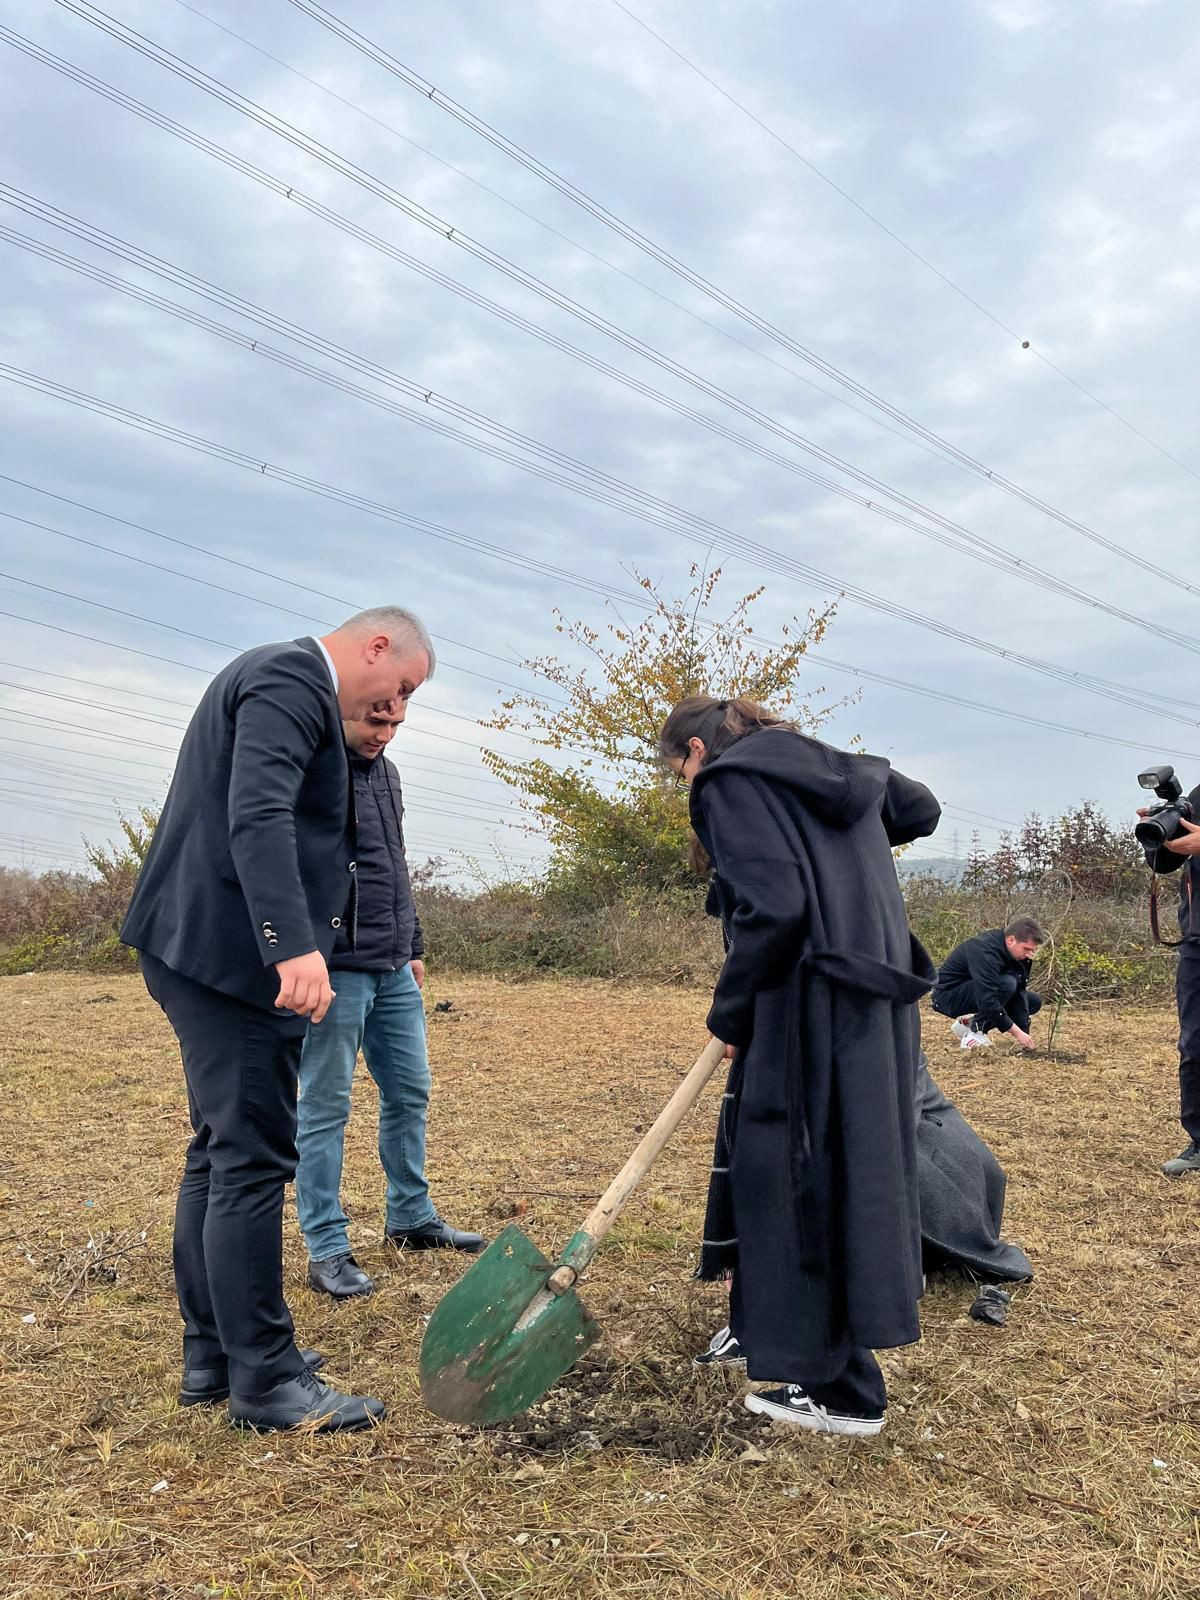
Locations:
column 1188, row 842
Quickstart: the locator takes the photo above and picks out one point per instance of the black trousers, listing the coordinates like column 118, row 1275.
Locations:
column 1187, row 997
column 857, row 1391
column 241, row 1066
column 963, row 999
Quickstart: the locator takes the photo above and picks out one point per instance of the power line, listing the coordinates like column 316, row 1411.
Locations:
column 409, row 787
column 167, row 627
column 563, row 186
column 42, row 794
column 14, row 800
column 987, row 827
column 23, row 855
column 31, row 722
column 221, row 588
column 576, row 244
column 92, row 705
column 190, row 705
column 408, row 762
column 117, row 783
column 1005, row 822
column 15, row 840
column 424, row 733
column 53, row 844
column 1026, row 344
column 33, row 622
column 128, row 715
column 601, row 487
column 167, row 59
column 836, row 666
column 31, row 788
column 130, row 770
column 1103, row 687
column 818, row 660
column 816, row 171
column 39, row 783
column 76, row 780
column 90, row 683
column 480, row 815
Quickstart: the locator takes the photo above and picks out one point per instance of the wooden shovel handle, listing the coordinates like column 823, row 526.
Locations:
column 612, row 1202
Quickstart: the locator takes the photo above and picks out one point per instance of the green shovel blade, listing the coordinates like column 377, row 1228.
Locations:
column 483, row 1357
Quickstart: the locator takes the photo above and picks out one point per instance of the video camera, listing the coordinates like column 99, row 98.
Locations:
column 1165, row 820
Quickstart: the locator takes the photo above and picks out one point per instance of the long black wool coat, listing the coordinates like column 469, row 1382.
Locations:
column 819, row 992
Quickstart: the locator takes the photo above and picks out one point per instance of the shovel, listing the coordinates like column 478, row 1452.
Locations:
column 513, row 1323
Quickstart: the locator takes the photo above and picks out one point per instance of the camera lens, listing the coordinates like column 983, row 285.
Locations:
column 1150, row 833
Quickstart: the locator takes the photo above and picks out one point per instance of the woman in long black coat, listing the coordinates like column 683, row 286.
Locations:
column 817, row 1217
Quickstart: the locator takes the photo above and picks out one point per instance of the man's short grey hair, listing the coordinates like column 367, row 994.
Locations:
column 403, row 628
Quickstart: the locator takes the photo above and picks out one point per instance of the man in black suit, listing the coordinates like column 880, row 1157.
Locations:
column 243, row 891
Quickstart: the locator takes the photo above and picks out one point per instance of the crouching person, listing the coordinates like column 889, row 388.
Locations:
column 813, row 1208
column 984, row 984
column 378, row 1008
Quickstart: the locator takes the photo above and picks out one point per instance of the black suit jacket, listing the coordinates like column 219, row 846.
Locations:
column 251, row 862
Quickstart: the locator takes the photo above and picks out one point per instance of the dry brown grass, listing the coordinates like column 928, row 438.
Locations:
column 1054, row 1458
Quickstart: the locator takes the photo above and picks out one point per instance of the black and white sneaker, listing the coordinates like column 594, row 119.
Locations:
column 723, row 1351
column 791, row 1404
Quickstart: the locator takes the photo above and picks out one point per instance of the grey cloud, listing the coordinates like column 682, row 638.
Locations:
column 999, row 143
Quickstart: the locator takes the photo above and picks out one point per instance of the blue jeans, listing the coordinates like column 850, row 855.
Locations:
column 382, row 1014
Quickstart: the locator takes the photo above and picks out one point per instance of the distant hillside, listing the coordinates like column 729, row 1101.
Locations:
column 943, row 867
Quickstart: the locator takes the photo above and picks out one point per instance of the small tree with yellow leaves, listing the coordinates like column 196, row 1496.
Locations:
column 616, row 821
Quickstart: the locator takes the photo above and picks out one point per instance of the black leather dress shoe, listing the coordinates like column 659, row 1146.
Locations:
column 436, row 1235
column 208, row 1386
column 301, row 1402
column 340, row 1276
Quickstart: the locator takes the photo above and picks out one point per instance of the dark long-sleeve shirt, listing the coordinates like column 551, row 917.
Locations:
column 984, row 962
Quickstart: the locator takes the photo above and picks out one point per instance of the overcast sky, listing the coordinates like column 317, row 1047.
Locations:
column 1043, row 156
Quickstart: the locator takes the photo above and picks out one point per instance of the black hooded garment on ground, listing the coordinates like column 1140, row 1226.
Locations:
column 962, row 1193
column 960, row 1183
column 818, row 990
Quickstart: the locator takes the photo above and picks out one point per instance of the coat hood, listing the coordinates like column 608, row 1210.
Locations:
column 837, row 787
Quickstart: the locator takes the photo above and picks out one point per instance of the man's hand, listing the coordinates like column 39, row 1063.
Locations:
column 1021, row 1037
column 304, row 986
column 1188, row 842
column 418, row 971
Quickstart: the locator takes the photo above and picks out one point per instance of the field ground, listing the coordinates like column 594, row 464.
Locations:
column 1057, row 1457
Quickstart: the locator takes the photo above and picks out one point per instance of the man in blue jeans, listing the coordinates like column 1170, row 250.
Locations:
column 377, row 974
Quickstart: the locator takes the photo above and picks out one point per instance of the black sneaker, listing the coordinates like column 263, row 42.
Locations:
column 1186, row 1161
column 723, row 1351
column 791, row 1404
